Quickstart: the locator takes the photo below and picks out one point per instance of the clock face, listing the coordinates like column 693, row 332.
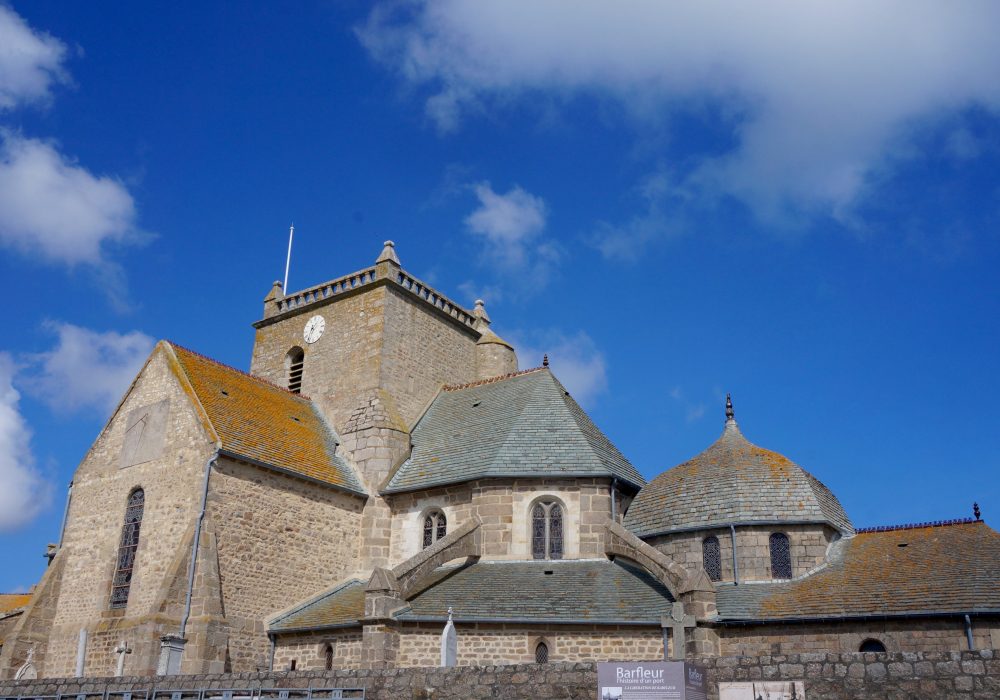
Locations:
column 314, row 329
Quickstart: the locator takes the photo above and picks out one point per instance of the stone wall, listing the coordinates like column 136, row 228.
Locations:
column 166, row 458
column 808, row 545
column 927, row 635
column 503, row 507
column 280, row 541
column 957, row 676
column 309, row 649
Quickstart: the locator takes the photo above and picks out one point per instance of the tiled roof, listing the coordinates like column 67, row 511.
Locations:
column 344, row 605
column 923, row 570
column 733, row 481
column 13, row 601
column 263, row 423
column 568, row 591
column 521, row 425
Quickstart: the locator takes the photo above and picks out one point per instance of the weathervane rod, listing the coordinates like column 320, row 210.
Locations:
column 288, row 260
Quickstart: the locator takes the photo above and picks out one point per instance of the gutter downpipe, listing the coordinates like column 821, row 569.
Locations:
column 968, row 632
column 194, row 545
column 270, row 659
column 62, row 528
column 736, row 566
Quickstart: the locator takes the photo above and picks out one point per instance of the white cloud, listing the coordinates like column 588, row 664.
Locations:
column 815, row 95
column 511, row 226
column 23, row 491
column 693, row 410
column 30, row 62
column 89, row 369
column 573, row 358
column 52, row 208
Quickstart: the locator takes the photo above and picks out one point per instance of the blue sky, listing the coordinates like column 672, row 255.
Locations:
column 798, row 203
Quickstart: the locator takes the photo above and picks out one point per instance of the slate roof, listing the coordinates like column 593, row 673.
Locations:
column 10, row 602
column 906, row 571
column 733, row 481
column 264, row 423
column 592, row 591
column 522, row 425
column 343, row 606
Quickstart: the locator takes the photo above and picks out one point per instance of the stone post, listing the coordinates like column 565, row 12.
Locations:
column 171, row 651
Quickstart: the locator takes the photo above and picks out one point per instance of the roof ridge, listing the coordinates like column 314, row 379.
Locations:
column 915, row 526
column 254, row 377
column 490, row 380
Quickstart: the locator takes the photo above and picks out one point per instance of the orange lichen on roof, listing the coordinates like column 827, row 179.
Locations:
column 490, row 380
column 13, row 601
column 262, row 422
column 937, row 568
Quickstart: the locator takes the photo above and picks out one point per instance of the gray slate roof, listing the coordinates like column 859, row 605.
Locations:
column 733, row 481
column 907, row 571
column 593, row 591
column 343, row 606
column 526, row 425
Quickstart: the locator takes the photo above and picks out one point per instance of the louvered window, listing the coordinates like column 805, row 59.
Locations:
column 295, row 364
column 711, row 558
column 781, row 556
column 122, row 582
column 435, row 527
column 547, row 530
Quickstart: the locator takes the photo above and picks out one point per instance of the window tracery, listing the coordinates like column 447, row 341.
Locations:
column 547, row 530
column 122, row 581
column 435, row 527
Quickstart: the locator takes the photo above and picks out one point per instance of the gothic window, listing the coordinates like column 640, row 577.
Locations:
column 872, row 645
column 547, row 530
column 122, row 581
column 435, row 527
column 328, row 657
column 541, row 653
column 711, row 559
column 294, row 364
column 781, row 556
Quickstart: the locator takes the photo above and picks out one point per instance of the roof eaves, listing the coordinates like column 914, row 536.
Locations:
column 284, row 615
column 497, row 475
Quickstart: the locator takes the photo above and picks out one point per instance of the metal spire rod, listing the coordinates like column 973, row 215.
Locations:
column 288, row 260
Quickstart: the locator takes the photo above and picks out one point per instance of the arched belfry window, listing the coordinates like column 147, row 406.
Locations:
column 781, row 556
column 547, row 530
column 711, row 558
column 294, row 364
column 435, row 527
column 122, row 582
column 541, row 653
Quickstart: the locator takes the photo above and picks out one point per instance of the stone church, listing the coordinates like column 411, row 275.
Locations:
column 385, row 463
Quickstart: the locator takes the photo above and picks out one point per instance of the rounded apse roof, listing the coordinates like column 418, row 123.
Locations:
column 733, row 481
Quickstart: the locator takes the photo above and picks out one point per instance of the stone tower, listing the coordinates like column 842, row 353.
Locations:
column 372, row 349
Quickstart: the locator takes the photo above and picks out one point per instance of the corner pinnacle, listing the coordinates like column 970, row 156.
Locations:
column 388, row 253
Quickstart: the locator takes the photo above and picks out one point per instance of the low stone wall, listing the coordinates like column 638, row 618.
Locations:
column 972, row 675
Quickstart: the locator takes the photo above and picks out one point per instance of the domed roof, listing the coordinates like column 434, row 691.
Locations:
column 733, row 481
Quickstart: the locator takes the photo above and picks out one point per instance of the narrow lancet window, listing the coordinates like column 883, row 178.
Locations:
column 294, row 364
column 435, row 527
column 328, row 657
column 547, row 531
column 122, row 582
column 781, row 556
column 711, row 557
column 541, row 653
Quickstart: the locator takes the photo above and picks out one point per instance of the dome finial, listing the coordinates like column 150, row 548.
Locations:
column 730, row 415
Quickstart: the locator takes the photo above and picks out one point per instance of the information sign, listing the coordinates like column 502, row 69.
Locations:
column 652, row 680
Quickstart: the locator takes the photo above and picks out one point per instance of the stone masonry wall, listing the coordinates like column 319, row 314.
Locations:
column 482, row 644
column 280, row 541
column 956, row 676
column 913, row 635
column 175, row 453
column 504, row 507
column 308, row 650
column 808, row 545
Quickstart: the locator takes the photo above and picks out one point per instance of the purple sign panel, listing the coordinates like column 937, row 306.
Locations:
column 652, row 680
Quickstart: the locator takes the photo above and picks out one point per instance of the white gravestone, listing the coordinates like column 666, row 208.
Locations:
column 449, row 643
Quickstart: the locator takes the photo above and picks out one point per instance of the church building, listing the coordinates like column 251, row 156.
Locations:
column 386, row 465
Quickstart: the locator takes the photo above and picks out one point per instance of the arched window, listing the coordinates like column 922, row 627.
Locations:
column 541, row 653
column 781, row 556
column 122, row 581
column 435, row 527
column 547, row 530
column 712, row 561
column 872, row 645
column 328, row 657
column 294, row 363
